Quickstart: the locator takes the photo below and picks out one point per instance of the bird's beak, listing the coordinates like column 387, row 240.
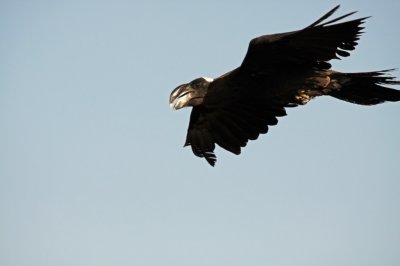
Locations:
column 176, row 104
column 174, row 98
column 180, row 97
column 172, row 105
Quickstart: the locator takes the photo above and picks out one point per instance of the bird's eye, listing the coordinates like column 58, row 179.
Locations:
column 197, row 83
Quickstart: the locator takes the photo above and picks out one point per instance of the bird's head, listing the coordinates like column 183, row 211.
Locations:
column 190, row 94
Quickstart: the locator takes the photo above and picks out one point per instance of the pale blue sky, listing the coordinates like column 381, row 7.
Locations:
column 92, row 169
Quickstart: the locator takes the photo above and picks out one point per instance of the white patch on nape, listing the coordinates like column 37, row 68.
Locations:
column 208, row 79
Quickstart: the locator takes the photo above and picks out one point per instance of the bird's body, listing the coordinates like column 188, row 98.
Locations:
column 278, row 71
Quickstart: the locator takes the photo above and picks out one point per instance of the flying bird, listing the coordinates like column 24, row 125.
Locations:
column 278, row 71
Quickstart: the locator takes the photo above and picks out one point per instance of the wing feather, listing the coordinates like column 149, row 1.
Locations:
column 312, row 46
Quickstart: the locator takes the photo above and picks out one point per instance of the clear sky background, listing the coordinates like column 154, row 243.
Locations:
column 92, row 169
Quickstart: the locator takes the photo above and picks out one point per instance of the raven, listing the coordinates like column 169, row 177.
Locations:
column 278, row 71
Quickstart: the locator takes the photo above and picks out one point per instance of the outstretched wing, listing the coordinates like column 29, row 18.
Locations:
column 230, row 117
column 311, row 47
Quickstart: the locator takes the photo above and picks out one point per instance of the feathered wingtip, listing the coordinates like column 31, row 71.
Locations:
column 330, row 13
column 210, row 156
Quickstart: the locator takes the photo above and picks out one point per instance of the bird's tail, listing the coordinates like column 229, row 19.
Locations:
column 366, row 88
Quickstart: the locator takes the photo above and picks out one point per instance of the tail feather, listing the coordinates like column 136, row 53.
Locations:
column 367, row 88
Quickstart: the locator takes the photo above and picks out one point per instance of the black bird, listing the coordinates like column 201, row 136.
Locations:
column 279, row 70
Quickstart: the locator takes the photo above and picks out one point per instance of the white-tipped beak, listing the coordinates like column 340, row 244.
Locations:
column 180, row 97
column 173, row 104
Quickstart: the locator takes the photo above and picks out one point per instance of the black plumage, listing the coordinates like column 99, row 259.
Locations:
column 279, row 70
